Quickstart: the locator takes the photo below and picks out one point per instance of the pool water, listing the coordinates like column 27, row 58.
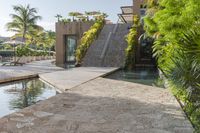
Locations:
column 18, row 95
column 146, row 76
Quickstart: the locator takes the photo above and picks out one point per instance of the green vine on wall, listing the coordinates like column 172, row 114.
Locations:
column 131, row 41
column 88, row 38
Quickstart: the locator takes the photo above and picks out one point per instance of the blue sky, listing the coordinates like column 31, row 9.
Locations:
column 49, row 8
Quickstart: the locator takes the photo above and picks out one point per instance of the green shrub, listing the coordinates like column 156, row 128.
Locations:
column 26, row 51
column 87, row 39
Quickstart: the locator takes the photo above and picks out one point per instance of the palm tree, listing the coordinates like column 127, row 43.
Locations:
column 24, row 18
column 58, row 16
column 35, row 37
column 39, row 37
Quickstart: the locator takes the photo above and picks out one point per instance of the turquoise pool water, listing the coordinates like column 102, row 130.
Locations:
column 18, row 95
column 146, row 76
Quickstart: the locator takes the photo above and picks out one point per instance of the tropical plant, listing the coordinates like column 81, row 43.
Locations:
column 87, row 39
column 26, row 51
column 50, row 40
column 131, row 42
column 35, row 37
column 74, row 14
column 92, row 14
column 174, row 25
column 100, row 16
column 24, row 18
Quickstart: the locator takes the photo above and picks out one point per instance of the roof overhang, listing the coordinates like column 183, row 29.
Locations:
column 127, row 14
column 127, row 9
column 126, row 18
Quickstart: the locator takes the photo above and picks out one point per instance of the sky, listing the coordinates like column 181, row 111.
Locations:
column 49, row 8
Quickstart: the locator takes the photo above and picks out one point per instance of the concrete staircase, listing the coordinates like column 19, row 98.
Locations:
column 109, row 48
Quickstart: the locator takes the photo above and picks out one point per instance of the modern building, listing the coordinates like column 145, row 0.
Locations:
column 68, row 36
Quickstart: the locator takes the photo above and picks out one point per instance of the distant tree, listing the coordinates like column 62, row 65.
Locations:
column 36, row 37
column 50, row 39
column 24, row 18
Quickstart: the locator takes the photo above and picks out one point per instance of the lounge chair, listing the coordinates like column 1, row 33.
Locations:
column 20, row 61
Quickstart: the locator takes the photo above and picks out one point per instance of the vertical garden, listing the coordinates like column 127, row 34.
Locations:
column 175, row 27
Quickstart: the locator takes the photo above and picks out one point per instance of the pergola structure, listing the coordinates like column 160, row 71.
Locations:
column 127, row 14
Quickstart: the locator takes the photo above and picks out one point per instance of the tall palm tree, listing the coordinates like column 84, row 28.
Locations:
column 24, row 18
column 58, row 16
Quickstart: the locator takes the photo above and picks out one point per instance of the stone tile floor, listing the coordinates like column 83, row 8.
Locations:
column 102, row 106
column 9, row 73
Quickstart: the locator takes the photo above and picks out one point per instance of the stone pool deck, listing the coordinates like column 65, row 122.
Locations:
column 102, row 106
column 11, row 73
column 93, row 104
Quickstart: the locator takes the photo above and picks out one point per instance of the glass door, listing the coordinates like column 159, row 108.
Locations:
column 70, row 49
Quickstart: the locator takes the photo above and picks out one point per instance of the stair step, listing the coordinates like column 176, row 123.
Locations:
column 144, row 65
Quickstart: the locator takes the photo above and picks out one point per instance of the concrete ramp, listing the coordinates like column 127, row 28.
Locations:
column 65, row 80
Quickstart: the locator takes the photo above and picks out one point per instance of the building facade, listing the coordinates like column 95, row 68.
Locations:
column 68, row 36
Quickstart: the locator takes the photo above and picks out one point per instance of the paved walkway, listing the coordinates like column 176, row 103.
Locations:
column 10, row 73
column 102, row 106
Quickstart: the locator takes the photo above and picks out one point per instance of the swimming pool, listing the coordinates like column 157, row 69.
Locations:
column 146, row 76
column 18, row 95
